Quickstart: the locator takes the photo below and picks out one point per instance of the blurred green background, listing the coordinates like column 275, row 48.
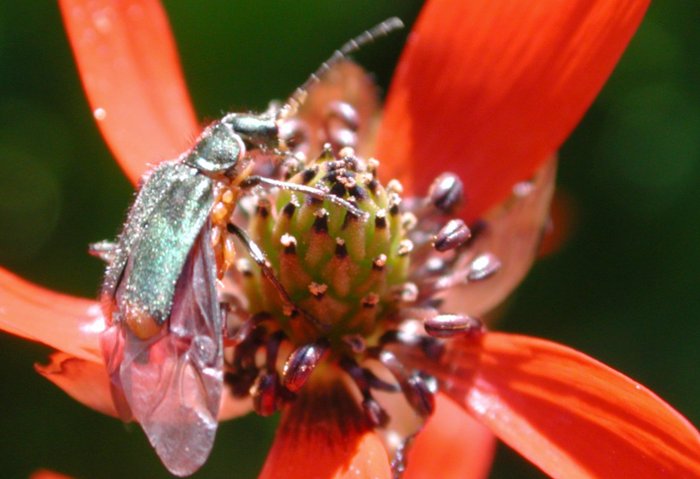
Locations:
column 624, row 288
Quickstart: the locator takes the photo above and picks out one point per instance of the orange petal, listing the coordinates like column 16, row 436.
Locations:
column 569, row 414
column 46, row 474
column 85, row 381
column 454, row 441
column 131, row 73
column 491, row 88
column 64, row 322
column 322, row 436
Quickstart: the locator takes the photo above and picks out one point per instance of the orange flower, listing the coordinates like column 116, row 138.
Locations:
column 486, row 88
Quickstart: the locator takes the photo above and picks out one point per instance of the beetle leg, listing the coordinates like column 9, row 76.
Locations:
column 252, row 181
column 260, row 259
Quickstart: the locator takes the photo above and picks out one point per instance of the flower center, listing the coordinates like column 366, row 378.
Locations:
column 341, row 283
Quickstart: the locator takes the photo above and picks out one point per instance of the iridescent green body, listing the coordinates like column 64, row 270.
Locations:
column 163, row 223
column 170, row 210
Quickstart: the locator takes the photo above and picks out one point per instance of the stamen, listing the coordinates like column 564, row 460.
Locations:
column 301, row 363
column 483, row 266
column 450, row 325
column 454, row 234
column 266, row 393
column 446, row 193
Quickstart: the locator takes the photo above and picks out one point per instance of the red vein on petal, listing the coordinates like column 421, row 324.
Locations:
column 322, row 436
column 569, row 414
column 491, row 88
column 64, row 322
column 131, row 73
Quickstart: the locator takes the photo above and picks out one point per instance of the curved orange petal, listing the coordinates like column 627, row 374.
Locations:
column 322, row 436
column 452, row 440
column 46, row 474
column 131, row 73
column 85, row 381
column 491, row 88
column 64, row 322
column 569, row 414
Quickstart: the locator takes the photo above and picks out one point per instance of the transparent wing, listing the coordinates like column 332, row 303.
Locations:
column 173, row 382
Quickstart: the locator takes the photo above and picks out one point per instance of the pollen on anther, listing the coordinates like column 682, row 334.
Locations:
column 380, row 219
column 370, row 300
column 321, row 221
column 405, row 247
column 289, row 243
column 289, row 209
column 346, row 152
column 341, row 251
column 318, row 289
column 379, row 262
column 395, row 186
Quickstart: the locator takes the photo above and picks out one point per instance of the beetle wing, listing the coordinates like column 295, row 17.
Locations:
column 173, row 382
column 161, row 228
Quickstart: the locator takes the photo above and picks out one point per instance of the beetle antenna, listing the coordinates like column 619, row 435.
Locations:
column 297, row 98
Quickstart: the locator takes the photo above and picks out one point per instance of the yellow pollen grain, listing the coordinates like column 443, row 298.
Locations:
column 317, row 289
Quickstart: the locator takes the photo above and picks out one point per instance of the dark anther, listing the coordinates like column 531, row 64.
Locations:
column 413, row 386
column 421, row 398
column 265, row 393
column 241, row 381
column 449, row 325
column 341, row 251
column 379, row 262
column 301, row 363
column 446, row 192
column 372, row 186
column 380, row 219
column 308, row 174
column 263, row 208
column 321, row 221
column 358, row 192
column 356, row 342
column 432, row 347
column 374, row 413
column 272, row 349
column 338, row 189
column 344, row 113
column 454, row 234
column 483, row 266
column 289, row 209
column 289, row 243
column 394, row 205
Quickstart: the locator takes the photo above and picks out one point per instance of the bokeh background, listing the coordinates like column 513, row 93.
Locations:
column 623, row 288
